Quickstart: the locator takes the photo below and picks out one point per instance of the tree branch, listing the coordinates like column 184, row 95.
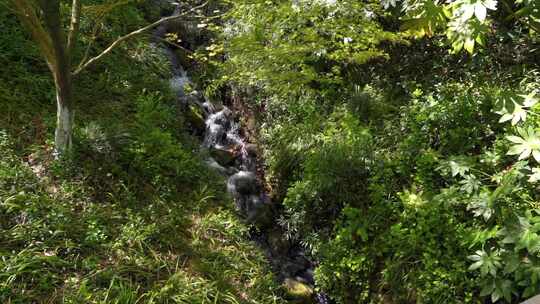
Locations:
column 27, row 15
column 86, row 64
column 175, row 44
column 74, row 26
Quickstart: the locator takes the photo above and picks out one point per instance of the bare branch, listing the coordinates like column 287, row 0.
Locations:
column 95, row 33
column 117, row 42
column 74, row 26
column 175, row 45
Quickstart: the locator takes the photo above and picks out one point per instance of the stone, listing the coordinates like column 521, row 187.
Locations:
column 252, row 149
column 195, row 118
column 212, row 163
column 257, row 211
column 291, row 269
column 277, row 242
column 298, row 292
column 232, row 171
column 243, row 183
column 224, row 157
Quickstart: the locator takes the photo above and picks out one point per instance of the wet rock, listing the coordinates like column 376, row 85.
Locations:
column 232, row 171
column 195, row 118
column 302, row 260
column 212, row 163
column 291, row 269
column 298, row 292
column 252, row 149
column 243, row 183
column 257, row 211
column 278, row 244
column 224, row 157
column 209, row 107
column 217, row 105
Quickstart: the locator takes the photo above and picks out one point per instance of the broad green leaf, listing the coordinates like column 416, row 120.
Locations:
column 529, row 100
column 469, row 45
column 535, row 176
column 518, row 114
column 475, row 265
column 506, row 117
column 480, row 11
column 527, row 145
column 487, row 289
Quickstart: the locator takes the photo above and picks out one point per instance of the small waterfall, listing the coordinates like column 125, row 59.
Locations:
column 179, row 82
column 235, row 158
column 223, row 133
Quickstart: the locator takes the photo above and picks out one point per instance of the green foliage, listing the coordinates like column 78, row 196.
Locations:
column 133, row 215
column 400, row 180
column 288, row 47
column 335, row 162
column 410, row 175
column 465, row 22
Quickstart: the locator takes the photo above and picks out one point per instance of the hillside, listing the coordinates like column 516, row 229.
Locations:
column 269, row 151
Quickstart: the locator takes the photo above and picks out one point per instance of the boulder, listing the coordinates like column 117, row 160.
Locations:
column 291, row 268
column 212, row 163
column 298, row 292
column 243, row 183
column 224, row 157
column 252, row 149
column 257, row 211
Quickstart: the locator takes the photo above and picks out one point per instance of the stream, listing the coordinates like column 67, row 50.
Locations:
column 235, row 158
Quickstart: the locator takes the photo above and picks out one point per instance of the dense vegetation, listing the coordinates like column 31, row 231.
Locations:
column 400, row 139
column 395, row 159
column 133, row 215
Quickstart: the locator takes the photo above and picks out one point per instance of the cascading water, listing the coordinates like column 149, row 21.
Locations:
column 236, row 159
column 223, row 133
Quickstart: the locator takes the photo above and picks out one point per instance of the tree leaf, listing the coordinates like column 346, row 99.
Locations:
column 515, row 139
column 475, row 265
column 469, row 45
column 480, row 11
column 505, row 117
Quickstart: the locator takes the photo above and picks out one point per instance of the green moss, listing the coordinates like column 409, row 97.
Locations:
column 298, row 292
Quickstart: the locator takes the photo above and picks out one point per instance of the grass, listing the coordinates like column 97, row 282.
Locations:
column 133, row 216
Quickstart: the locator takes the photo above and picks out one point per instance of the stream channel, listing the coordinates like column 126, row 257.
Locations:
column 236, row 159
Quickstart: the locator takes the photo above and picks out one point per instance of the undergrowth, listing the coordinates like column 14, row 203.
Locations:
column 132, row 215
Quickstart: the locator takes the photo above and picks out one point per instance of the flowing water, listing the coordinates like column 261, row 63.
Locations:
column 223, row 134
column 236, row 159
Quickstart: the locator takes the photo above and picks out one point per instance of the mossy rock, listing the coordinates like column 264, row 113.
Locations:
column 298, row 292
column 194, row 116
column 278, row 243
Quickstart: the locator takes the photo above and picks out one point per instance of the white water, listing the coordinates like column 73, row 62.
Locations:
column 224, row 134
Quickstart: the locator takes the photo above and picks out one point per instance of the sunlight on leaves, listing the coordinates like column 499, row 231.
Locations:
column 526, row 145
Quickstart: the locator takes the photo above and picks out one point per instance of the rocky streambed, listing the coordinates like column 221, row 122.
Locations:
column 230, row 154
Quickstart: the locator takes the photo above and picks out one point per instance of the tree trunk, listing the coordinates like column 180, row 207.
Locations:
column 64, row 117
column 61, row 70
